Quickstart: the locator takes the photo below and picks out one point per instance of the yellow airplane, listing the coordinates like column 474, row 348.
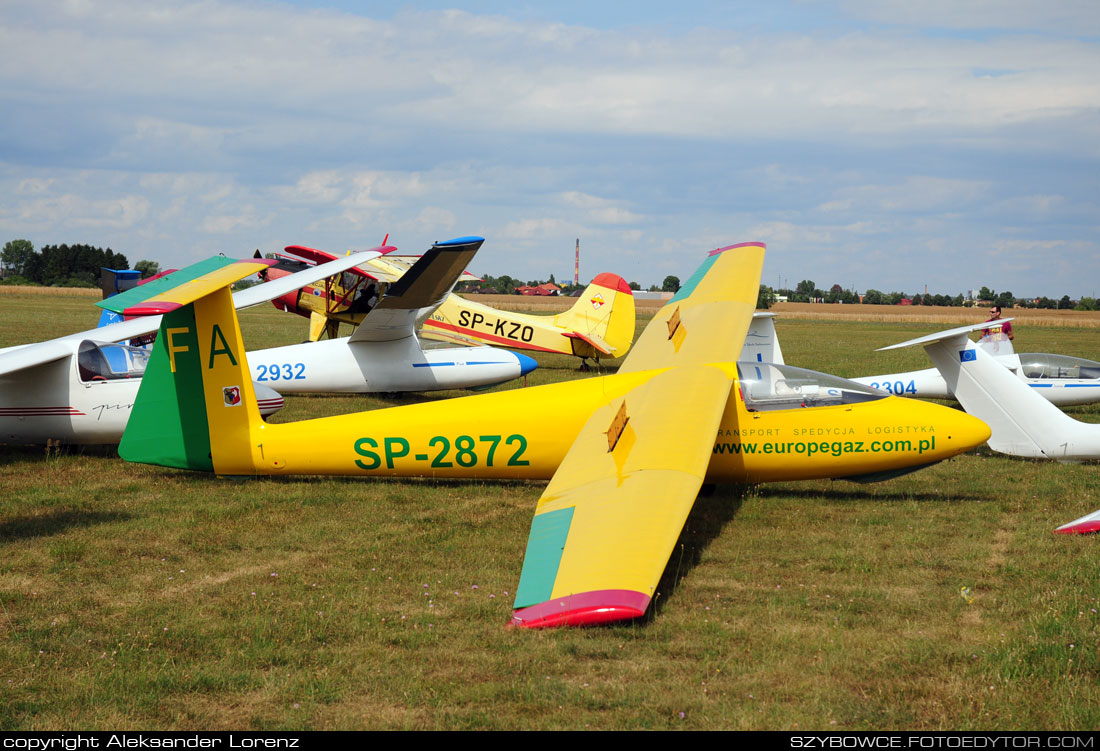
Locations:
column 600, row 324
column 625, row 454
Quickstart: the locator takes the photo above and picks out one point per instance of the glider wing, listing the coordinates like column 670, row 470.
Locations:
column 607, row 523
column 707, row 320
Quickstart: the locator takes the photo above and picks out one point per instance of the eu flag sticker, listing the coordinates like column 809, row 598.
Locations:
column 968, row 355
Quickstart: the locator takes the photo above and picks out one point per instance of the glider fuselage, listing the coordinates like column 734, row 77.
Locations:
column 499, row 436
column 340, row 365
column 58, row 401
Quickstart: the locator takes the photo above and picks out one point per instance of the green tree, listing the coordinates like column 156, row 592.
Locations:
column 635, row 286
column 873, row 297
column 1005, row 300
column 671, row 284
column 766, row 297
column 147, row 268
column 15, row 256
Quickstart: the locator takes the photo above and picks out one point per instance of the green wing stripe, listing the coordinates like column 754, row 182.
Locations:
column 689, row 286
column 132, row 297
column 544, row 551
column 168, row 425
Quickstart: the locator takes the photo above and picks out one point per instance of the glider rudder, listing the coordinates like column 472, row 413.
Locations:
column 198, row 360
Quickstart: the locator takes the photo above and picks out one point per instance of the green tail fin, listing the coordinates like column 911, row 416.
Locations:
column 196, row 408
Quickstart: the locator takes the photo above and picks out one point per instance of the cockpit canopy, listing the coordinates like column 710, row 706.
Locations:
column 765, row 386
column 1038, row 365
column 109, row 362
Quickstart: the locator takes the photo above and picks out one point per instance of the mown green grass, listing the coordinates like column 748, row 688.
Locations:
column 140, row 597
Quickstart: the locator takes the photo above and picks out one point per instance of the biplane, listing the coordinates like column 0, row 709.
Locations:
column 625, row 454
column 600, row 324
column 384, row 354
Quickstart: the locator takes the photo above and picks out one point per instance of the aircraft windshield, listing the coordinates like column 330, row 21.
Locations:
column 766, row 386
column 109, row 362
column 1037, row 365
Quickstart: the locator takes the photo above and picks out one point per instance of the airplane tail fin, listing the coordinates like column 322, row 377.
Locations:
column 1023, row 423
column 762, row 343
column 198, row 359
column 602, row 318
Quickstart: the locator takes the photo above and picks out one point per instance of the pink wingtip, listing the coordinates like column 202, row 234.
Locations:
column 613, row 281
column 151, row 309
column 584, row 609
column 1082, row 528
column 738, row 245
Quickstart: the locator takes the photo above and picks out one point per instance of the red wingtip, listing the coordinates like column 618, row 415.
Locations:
column 1083, row 528
column 151, row 308
column 613, row 281
column 738, row 245
column 584, row 609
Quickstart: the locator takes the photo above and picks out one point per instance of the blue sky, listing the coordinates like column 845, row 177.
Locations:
column 870, row 144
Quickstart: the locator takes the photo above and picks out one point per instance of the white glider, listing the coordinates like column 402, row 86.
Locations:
column 80, row 388
column 1022, row 422
column 1059, row 379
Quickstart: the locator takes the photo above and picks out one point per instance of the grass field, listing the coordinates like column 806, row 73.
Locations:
column 134, row 597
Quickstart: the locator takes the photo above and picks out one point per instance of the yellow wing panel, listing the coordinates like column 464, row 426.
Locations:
column 607, row 522
column 708, row 318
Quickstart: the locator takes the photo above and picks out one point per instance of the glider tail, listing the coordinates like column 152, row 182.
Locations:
column 603, row 315
column 196, row 408
column 1023, row 423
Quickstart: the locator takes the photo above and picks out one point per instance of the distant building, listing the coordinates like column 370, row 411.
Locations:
column 543, row 290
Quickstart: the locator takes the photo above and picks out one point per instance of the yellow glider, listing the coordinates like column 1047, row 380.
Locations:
column 625, row 454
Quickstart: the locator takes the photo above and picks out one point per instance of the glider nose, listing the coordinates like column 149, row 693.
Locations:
column 526, row 364
column 966, row 431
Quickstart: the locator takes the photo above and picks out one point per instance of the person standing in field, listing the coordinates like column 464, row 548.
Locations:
column 1000, row 330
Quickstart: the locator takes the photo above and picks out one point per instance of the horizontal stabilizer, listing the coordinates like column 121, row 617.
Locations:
column 596, row 342
column 940, row 336
column 196, row 287
column 152, row 289
column 423, row 286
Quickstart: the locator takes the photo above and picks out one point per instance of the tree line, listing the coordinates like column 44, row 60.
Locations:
column 79, row 266
column 808, row 291
column 57, row 265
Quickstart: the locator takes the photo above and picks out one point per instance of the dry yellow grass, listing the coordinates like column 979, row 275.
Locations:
column 16, row 289
column 928, row 314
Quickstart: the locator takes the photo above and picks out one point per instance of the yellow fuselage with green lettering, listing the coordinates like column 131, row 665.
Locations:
column 500, row 436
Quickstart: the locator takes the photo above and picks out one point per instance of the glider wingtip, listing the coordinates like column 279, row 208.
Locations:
column 1082, row 528
column 585, row 609
column 753, row 244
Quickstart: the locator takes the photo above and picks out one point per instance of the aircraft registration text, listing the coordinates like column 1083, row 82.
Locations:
column 443, row 453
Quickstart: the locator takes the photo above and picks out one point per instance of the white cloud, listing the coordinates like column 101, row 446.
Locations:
column 264, row 124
